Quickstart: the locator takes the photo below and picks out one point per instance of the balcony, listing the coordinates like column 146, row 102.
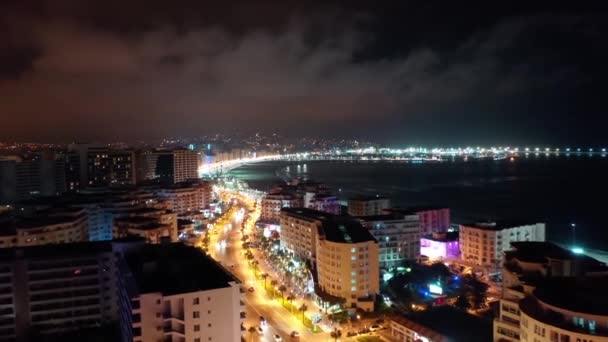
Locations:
column 174, row 328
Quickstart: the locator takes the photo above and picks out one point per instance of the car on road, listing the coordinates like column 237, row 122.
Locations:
column 375, row 327
column 277, row 338
column 363, row 331
column 295, row 334
column 260, row 330
column 251, row 289
column 351, row 334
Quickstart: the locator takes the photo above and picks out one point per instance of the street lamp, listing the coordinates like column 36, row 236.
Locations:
column 573, row 225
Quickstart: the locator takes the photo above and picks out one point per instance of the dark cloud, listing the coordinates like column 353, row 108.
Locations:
column 76, row 71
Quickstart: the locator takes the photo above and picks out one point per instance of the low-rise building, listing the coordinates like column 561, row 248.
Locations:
column 440, row 246
column 273, row 203
column 398, row 237
column 347, row 262
column 52, row 228
column 368, row 206
column 187, row 197
column 440, row 324
column 433, row 219
column 483, row 244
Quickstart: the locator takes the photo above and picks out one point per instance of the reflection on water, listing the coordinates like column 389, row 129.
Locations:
column 553, row 190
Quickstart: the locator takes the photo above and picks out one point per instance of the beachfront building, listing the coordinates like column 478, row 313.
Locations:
column 368, row 205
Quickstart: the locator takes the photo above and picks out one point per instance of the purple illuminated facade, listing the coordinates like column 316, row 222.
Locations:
column 439, row 246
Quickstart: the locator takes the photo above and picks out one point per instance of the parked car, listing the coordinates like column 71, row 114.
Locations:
column 375, row 327
column 295, row 334
column 277, row 338
column 260, row 330
column 251, row 289
column 351, row 334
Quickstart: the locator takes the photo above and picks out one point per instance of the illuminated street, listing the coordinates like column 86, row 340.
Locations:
column 225, row 246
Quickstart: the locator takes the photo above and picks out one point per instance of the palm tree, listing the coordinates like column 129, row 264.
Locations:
column 290, row 299
column 303, row 309
column 251, row 331
column 336, row 334
column 273, row 283
column 282, row 289
column 264, row 276
column 255, row 267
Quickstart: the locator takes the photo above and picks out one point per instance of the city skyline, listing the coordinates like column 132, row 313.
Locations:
column 407, row 73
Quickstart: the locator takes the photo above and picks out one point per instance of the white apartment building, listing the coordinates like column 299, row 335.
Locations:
column 187, row 197
column 368, row 206
column 273, row 203
column 483, row 244
column 299, row 228
column 398, row 237
column 182, row 295
column 347, row 263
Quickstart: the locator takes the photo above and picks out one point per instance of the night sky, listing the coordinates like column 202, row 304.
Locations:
column 398, row 72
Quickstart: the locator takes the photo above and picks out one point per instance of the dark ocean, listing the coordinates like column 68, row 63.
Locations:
column 557, row 190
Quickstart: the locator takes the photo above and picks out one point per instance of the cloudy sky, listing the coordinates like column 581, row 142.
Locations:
column 402, row 72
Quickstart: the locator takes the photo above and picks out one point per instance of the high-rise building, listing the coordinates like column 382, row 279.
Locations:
column 22, row 178
column 398, row 237
column 55, row 288
column 169, row 166
column 368, row 206
column 182, row 295
column 151, row 291
column 347, row 263
column 483, row 244
column 100, row 166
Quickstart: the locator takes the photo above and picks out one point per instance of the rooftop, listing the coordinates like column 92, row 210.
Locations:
column 41, row 221
column 450, row 322
column 345, row 231
column 307, row 214
column 176, row 268
column 500, row 225
column 367, row 198
column 586, row 295
column 56, row 250
column 442, row 237
column 537, row 251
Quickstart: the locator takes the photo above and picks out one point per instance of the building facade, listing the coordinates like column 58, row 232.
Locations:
column 398, row 237
column 368, row 206
column 433, row 220
column 273, row 203
column 299, row 229
column 187, row 197
column 347, row 263
column 440, row 246
column 483, row 244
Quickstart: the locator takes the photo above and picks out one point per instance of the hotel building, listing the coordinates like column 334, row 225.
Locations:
column 187, row 197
